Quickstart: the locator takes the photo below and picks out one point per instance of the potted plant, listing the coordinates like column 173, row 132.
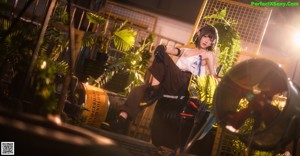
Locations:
column 100, row 42
column 134, row 64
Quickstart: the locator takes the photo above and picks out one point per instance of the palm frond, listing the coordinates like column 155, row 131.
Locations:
column 203, row 87
column 96, row 19
column 135, row 78
column 61, row 15
column 18, row 44
column 120, row 27
column 88, row 39
column 109, row 72
column 62, row 67
column 124, row 39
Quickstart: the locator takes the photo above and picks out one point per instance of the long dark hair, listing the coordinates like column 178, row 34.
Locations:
column 209, row 30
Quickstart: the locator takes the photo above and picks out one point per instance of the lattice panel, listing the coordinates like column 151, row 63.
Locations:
column 251, row 21
column 132, row 15
column 227, row 145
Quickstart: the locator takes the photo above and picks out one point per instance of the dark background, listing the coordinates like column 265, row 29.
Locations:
column 283, row 23
column 183, row 10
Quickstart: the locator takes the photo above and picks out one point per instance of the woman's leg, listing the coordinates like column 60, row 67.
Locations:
column 154, row 82
column 168, row 75
column 128, row 111
column 131, row 105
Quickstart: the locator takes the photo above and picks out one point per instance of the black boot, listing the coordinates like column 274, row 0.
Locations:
column 117, row 125
column 152, row 94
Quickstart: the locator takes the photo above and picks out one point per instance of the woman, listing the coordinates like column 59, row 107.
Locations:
column 168, row 77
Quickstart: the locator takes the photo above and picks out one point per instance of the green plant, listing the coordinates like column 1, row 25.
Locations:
column 17, row 49
column 134, row 63
column 60, row 14
column 44, row 83
column 204, row 88
column 229, row 40
column 239, row 148
column 122, row 38
column 18, row 44
column 49, row 66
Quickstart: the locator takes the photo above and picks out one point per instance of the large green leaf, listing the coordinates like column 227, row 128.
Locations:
column 124, row 39
column 220, row 15
column 96, row 19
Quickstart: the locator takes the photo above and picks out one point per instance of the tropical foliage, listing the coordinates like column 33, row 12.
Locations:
column 203, row 87
column 16, row 43
column 134, row 63
column 19, row 41
column 229, row 40
column 18, row 47
column 119, row 36
column 50, row 64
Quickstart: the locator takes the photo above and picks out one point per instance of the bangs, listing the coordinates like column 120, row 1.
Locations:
column 211, row 34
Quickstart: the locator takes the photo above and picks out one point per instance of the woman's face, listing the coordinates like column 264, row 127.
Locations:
column 206, row 42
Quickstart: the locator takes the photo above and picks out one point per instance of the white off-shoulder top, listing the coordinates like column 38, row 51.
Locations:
column 192, row 64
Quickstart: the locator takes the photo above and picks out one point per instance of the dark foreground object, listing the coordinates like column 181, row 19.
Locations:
column 169, row 129
column 134, row 146
column 35, row 135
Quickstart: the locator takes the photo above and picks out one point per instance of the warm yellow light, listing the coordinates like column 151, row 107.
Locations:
column 43, row 65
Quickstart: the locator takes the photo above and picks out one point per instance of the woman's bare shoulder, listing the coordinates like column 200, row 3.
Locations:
column 210, row 53
column 186, row 51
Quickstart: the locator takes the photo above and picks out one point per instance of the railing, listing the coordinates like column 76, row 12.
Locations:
column 37, row 10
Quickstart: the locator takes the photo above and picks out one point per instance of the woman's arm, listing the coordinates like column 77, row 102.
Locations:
column 210, row 64
column 174, row 51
